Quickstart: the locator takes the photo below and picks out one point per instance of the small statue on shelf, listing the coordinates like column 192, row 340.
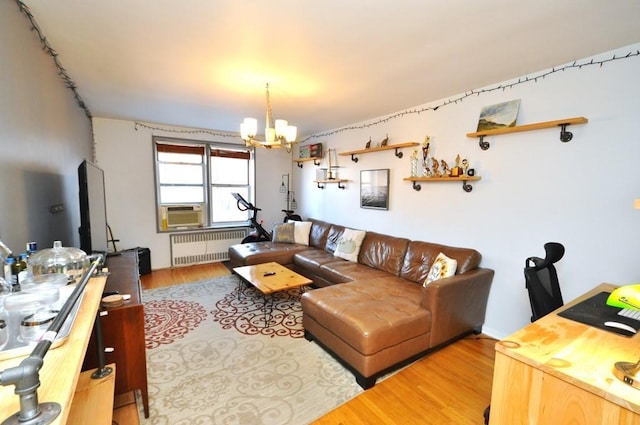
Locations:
column 465, row 166
column 384, row 141
column 368, row 146
column 445, row 169
column 436, row 166
column 414, row 163
column 456, row 171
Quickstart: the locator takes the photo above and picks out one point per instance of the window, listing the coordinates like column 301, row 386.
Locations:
column 194, row 182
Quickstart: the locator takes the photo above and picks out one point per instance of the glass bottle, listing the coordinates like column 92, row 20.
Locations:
column 22, row 265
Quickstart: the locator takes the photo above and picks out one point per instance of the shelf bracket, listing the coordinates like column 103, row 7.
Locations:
column 398, row 153
column 320, row 186
column 300, row 164
column 316, row 162
column 416, row 186
column 483, row 145
column 340, row 185
column 565, row 136
column 466, row 186
column 353, row 158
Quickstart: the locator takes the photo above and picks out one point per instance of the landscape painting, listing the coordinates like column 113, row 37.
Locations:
column 374, row 189
column 499, row 115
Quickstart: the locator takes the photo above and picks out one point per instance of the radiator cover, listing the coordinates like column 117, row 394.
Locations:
column 204, row 247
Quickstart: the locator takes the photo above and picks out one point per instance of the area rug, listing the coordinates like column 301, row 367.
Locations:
column 219, row 352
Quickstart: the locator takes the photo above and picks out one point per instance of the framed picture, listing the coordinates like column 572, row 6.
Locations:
column 499, row 115
column 374, row 189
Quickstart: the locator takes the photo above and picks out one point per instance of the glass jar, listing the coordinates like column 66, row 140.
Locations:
column 68, row 260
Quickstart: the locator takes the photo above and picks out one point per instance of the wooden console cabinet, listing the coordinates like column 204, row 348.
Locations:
column 123, row 329
column 557, row 371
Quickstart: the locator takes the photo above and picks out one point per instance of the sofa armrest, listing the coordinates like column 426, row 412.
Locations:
column 457, row 304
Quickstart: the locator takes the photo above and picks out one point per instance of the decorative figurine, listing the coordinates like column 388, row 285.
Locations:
column 385, row 141
column 425, row 156
column 456, row 171
column 414, row 163
column 465, row 166
column 368, row 146
column 435, row 165
column 445, row 168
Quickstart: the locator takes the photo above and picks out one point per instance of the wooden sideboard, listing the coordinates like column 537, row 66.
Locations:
column 558, row 371
column 61, row 369
column 123, row 329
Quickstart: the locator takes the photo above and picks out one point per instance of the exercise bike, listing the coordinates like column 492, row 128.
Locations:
column 290, row 216
column 259, row 234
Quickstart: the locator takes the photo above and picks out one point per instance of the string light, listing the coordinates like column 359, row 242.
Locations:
column 72, row 86
column 466, row 95
column 185, row 131
column 54, row 55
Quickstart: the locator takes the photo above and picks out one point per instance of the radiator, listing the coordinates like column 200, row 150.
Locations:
column 203, row 247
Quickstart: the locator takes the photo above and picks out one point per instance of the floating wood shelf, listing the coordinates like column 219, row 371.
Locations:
column 321, row 183
column 565, row 136
column 464, row 179
column 300, row 161
column 378, row 149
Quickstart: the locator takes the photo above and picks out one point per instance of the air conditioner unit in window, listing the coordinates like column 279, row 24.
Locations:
column 183, row 216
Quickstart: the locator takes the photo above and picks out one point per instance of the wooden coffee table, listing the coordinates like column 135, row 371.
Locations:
column 271, row 277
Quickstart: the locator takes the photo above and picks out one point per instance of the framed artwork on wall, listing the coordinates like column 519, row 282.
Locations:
column 374, row 189
column 499, row 115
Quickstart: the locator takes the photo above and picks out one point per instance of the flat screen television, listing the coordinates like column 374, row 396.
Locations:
column 93, row 209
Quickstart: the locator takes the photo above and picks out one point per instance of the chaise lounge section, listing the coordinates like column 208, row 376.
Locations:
column 374, row 314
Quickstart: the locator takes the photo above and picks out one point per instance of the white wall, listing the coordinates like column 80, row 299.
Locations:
column 44, row 135
column 534, row 188
column 126, row 156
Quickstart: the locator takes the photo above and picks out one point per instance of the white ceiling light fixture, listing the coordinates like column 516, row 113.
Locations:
column 277, row 135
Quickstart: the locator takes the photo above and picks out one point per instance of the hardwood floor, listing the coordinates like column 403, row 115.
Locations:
column 449, row 386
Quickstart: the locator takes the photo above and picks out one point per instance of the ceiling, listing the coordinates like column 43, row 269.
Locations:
column 329, row 63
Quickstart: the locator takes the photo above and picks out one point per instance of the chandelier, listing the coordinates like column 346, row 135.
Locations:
column 277, row 135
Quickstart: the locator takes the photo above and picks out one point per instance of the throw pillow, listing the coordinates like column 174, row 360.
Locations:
column 284, row 233
column 301, row 232
column 349, row 244
column 442, row 267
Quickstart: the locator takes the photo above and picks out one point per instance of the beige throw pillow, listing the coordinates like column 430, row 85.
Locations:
column 284, row 233
column 301, row 231
column 442, row 267
column 349, row 244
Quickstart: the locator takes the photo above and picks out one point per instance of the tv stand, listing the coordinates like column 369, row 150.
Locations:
column 123, row 328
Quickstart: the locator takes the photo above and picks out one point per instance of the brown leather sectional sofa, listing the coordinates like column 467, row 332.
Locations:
column 375, row 315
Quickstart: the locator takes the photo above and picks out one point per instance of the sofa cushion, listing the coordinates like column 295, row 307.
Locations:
column 333, row 237
column 301, row 232
column 421, row 255
column 309, row 261
column 383, row 252
column 284, row 233
column 442, row 267
column 370, row 315
column 342, row 271
column 263, row 252
column 349, row 244
column 318, row 233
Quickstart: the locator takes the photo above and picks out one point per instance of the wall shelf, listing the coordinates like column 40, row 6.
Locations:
column 300, row 161
column 378, row 149
column 565, row 136
column 322, row 183
column 464, row 179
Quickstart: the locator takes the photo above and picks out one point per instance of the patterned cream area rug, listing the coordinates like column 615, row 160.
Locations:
column 211, row 358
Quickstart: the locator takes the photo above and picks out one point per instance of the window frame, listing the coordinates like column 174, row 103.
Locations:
column 208, row 147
